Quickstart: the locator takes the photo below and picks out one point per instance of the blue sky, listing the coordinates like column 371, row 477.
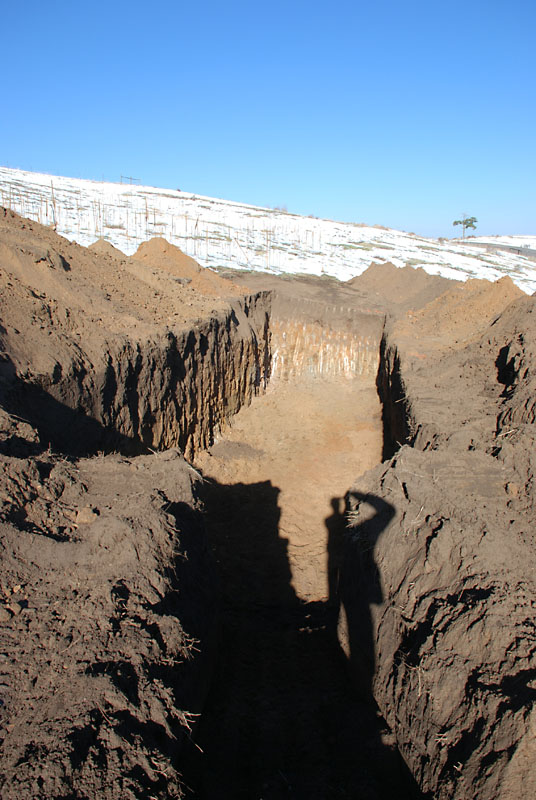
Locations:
column 404, row 114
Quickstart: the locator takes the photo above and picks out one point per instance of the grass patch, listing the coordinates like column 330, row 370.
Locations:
column 352, row 245
column 430, row 249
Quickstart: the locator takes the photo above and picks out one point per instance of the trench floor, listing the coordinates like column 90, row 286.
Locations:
column 283, row 719
column 292, row 454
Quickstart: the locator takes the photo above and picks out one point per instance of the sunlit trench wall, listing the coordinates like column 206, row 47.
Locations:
column 311, row 339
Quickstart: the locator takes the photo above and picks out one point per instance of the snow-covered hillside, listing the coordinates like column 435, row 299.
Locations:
column 221, row 233
column 511, row 241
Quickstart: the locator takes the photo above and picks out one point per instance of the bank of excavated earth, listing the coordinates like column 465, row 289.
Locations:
column 108, row 604
column 442, row 536
column 186, row 565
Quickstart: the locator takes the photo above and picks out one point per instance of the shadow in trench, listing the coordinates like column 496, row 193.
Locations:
column 283, row 719
column 336, row 527
column 67, row 430
column 360, row 584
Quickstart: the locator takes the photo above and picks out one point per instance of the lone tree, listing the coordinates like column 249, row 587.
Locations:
column 465, row 222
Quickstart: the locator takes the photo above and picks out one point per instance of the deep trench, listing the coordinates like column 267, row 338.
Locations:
column 286, row 715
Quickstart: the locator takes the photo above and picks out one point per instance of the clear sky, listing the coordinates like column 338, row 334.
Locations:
column 404, row 114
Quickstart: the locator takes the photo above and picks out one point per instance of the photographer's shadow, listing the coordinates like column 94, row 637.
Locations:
column 359, row 583
column 354, row 589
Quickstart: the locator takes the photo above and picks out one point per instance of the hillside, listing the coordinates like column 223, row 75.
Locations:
column 222, row 233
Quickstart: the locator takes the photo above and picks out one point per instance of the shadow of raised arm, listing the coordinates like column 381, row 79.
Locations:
column 369, row 529
column 360, row 581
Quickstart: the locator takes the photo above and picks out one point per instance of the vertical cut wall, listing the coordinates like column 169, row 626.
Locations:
column 319, row 340
column 174, row 389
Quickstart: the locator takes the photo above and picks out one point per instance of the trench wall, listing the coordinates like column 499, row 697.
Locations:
column 397, row 412
column 436, row 589
column 175, row 389
column 179, row 388
column 311, row 339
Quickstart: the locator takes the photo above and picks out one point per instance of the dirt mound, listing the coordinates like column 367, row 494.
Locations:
column 160, row 253
column 82, row 343
column 104, row 248
column 403, row 288
column 463, row 310
column 96, row 644
column 74, row 288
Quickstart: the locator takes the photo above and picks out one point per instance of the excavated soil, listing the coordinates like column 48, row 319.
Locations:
column 283, row 614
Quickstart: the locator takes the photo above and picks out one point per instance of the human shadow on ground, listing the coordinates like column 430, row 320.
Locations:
column 358, row 588
column 283, row 718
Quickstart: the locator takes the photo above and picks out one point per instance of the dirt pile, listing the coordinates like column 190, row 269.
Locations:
column 105, row 248
column 107, row 615
column 159, row 253
column 44, row 272
column 459, row 313
column 401, row 289
column 441, row 547
column 102, row 353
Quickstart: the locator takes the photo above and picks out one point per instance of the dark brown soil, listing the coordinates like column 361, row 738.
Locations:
column 442, row 547
column 99, row 661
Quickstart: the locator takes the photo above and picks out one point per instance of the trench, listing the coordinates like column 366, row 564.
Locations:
column 293, row 388
column 285, row 716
